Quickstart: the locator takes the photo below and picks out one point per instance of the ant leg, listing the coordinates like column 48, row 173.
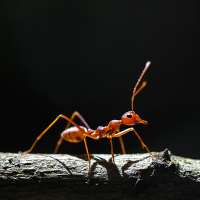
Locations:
column 68, row 125
column 111, row 144
column 143, row 145
column 123, row 132
column 80, row 117
column 58, row 145
column 69, row 122
column 55, row 120
column 41, row 135
column 86, row 147
column 122, row 145
column 132, row 129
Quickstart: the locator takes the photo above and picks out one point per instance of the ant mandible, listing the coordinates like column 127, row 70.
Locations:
column 78, row 133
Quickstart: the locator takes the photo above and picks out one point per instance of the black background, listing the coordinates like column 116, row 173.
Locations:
column 62, row 56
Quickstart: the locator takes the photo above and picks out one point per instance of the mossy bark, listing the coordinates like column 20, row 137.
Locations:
column 135, row 176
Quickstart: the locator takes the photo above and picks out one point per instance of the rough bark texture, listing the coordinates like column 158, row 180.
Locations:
column 136, row 176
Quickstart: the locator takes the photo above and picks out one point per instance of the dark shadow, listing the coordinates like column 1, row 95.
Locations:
column 129, row 163
column 112, row 170
column 62, row 165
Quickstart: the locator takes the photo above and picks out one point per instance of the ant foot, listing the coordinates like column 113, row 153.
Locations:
column 23, row 153
column 155, row 155
column 87, row 182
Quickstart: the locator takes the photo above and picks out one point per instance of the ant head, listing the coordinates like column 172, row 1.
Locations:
column 130, row 118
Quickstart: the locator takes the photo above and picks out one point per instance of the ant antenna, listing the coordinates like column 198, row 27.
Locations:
column 145, row 69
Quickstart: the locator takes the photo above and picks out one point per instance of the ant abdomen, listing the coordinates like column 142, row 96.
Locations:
column 73, row 134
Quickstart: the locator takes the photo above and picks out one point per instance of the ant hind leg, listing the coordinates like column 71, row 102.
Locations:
column 38, row 138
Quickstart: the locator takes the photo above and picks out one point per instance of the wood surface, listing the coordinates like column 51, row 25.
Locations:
column 133, row 176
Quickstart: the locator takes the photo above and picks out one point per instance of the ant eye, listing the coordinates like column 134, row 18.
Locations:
column 129, row 116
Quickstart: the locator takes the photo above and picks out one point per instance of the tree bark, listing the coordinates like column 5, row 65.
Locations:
column 135, row 176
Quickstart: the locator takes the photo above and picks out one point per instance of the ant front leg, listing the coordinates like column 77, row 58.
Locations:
column 68, row 125
column 132, row 129
column 143, row 145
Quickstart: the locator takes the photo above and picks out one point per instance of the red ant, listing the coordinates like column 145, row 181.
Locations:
column 78, row 133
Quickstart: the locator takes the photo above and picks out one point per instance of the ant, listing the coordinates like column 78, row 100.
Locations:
column 78, row 133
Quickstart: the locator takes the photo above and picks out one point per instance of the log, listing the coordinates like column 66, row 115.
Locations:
column 135, row 176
